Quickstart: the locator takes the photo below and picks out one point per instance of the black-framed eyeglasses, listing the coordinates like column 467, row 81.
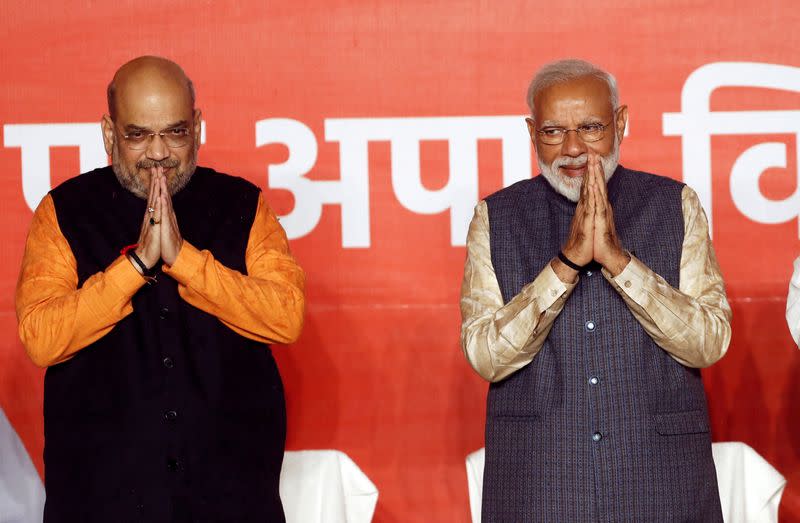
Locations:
column 173, row 137
column 590, row 132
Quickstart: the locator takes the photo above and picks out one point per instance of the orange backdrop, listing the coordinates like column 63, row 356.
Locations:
column 378, row 372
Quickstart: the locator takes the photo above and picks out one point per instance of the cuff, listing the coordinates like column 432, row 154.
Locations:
column 123, row 276
column 631, row 281
column 187, row 264
column 548, row 288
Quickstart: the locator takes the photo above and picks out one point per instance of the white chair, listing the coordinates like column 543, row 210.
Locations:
column 475, row 482
column 21, row 488
column 750, row 489
column 316, row 485
column 325, row 486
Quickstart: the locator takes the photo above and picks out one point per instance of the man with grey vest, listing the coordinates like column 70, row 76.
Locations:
column 162, row 401
column 591, row 298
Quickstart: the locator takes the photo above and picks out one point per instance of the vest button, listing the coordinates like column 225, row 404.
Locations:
column 170, row 415
column 589, row 273
column 168, row 363
column 590, row 326
column 163, row 313
column 172, row 464
column 594, row 380
column 597, row 437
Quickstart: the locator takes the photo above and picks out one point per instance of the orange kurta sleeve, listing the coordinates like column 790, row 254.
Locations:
column 56, row 318
column 267, row 304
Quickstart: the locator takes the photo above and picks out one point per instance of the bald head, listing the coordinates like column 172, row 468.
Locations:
column 147, row 73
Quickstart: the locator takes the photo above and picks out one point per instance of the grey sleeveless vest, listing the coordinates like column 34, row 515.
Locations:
column 602, row 425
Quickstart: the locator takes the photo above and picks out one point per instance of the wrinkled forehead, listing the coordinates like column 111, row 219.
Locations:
column 586, row 97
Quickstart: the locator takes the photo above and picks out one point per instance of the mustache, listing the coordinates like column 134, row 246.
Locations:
column 166, row 163
column 566, row 161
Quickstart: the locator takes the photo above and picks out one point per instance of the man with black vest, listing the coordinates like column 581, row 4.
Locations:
column 162, row 401
column 591, row 298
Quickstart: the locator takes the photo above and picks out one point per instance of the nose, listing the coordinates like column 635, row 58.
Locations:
column 572, row 144
column 157, row 149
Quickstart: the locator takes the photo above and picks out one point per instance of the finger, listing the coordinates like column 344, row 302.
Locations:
column 601, row 179
column 591, row 204
column 594, row 175
column 590, row 216
column 600, row 203
column 590, row 168
column 169, row 232
column 165, row 212
column 153, row 182
column 594, row 168
column 584, row 189
column 165, row 193
column 581, row 204
column 158, row 214
column 168, row 209
column 166, row 201
column 158, row 208
column 151, row 196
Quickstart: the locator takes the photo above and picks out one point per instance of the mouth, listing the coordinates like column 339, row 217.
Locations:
column 573, row 171
column 164, row 168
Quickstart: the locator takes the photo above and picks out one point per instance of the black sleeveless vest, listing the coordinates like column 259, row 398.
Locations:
column 171, row 416
column 602, row 425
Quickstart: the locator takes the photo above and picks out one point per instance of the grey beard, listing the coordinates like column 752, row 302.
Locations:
column 570, row 187
column 134, row 183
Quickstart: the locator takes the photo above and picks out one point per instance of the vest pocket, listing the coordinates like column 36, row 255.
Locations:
column 688, row 422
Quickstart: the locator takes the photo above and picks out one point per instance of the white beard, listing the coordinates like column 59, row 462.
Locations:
column 570, row 187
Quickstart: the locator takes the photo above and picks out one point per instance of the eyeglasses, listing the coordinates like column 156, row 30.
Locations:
column 173, row 137
column 591, row 132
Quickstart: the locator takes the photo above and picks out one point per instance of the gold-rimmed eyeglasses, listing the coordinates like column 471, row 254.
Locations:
column 590, row 132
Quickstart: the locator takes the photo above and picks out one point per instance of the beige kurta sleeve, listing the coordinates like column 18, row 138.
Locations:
column 499, row 338
column 692, row 323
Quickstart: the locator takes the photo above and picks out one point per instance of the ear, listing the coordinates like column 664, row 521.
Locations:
column 108, row 133
column 622, row 121
column 531, row 128
column 198, row 127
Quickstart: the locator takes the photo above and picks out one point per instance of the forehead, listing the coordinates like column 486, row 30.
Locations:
column 573, row 101
column 152, row 103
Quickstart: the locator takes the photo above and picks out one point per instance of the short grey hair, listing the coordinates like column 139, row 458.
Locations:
column 566, row 70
